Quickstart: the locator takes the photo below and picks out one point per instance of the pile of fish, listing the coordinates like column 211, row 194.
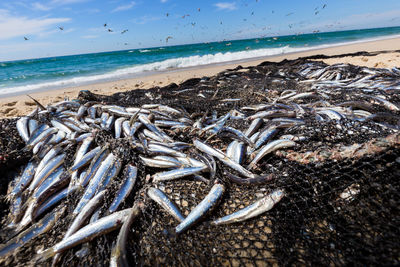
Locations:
column 236, row 142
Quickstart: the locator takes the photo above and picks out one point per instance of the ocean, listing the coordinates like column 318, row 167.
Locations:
column 23, row 76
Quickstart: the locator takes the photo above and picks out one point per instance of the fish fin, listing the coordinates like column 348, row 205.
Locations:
column 37, row 103
column 42, row 257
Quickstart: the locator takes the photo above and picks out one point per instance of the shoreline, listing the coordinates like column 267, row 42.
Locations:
column 17, row 105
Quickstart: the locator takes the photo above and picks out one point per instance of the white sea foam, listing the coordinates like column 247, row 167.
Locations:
column 169, row 64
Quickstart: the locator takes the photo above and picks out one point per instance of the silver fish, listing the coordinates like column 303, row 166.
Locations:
column 126, row 188
column 118, row 252
column 158, row 196
column 87, row 233
column 205, row 205
column 35, row 230
column 177, row 173
column 260, row 206
column 270, row 147
column 22, row 127
column 95, row 182
column 46, row 171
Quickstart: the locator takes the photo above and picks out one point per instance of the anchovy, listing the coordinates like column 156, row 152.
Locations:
column 85, row 159
column 31, row 143
column 53, row 201
column 177, row 173
column 35, row 230
column 53, row 178
column 118, row 127
column 25, row 180
column 254, row 126
column 260, row 206
column 22, row 127
column 160, row 163
column 262, row 179
column 94, row 165
column 264, row 137
column 32, row 126
column 46, row 171
column 270, row 147
column 37, row 133
column 205, row 205
column 221, row 156
column 83, row 148
column 114, row 171
column 118, row 252
column 80, row 219
column 87, row 233
column 158, row 196
column 61, row 126
column 237, row 135
column 95, row 182
column 49, row 156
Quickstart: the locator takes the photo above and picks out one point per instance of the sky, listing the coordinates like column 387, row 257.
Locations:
column 33, row 28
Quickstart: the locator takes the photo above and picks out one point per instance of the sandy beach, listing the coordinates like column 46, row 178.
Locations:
column 20, row 105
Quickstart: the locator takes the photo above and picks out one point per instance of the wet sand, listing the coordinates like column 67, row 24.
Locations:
column 22, row 104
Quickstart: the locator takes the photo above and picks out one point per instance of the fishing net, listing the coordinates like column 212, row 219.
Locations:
column 341, row 181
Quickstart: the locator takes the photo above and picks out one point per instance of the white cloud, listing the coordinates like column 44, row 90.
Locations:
column 41, row 7
column 89, row 36
column 13, row 26
column 226, row 6
column 124, row 7
column 66, row 2
column 146, row 19
column 163, row 1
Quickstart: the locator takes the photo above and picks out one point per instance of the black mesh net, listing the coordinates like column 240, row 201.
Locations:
column 341, row 181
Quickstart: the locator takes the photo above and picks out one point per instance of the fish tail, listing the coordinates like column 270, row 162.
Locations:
column 45, row 255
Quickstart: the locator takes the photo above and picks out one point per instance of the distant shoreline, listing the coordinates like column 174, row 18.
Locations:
column 17, row 105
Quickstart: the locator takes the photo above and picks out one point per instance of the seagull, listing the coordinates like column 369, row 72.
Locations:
column 316, row 13
column 166, row 39
column 198, row 9
column 193, row 24
column 105, row 25
column 323, row 6
column 61, row 28
column 26, row 39
column 289, row 14
column 167, row 14
column 124, row 31
column 109, row 30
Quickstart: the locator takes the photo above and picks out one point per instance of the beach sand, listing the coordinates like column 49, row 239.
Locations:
column 22, row 104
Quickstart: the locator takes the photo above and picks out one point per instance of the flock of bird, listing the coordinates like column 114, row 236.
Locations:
column 316, row 12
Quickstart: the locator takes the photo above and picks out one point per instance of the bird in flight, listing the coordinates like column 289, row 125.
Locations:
column 61, row 28
column 166, row 39
column 124, row 31
column 26, row 39
column 105, row 25
column 198, row 9
column 109, row 30
column 167, row 14
column 324, row 6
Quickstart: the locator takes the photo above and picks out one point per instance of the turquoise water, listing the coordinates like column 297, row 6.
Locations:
column 18, row 77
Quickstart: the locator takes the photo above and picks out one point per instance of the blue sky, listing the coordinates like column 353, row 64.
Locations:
column 150, row 23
